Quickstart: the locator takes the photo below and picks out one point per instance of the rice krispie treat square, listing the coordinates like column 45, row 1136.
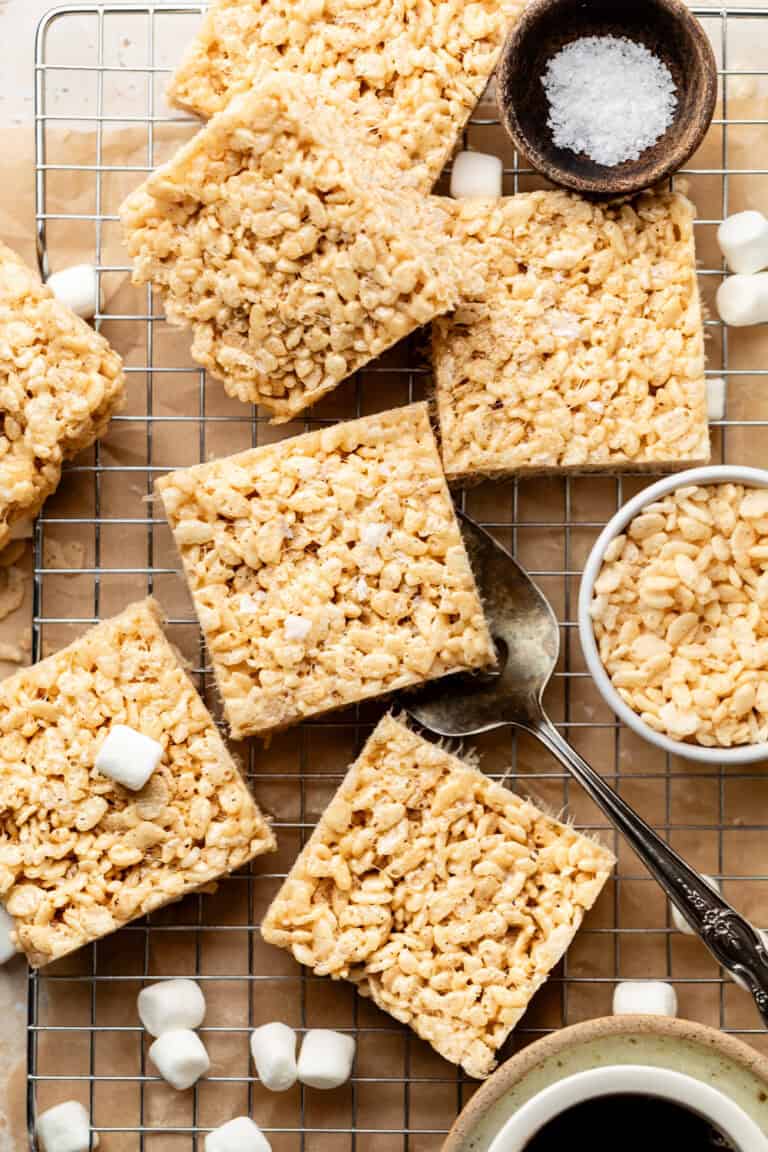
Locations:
column 410, row 73
column 60, row 383
column 327, row 569
column 585, row 350
column 79, row 855
column 269, row 235
column 442, row 895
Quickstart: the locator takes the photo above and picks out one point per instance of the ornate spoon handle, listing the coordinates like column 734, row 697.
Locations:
column 731, row 939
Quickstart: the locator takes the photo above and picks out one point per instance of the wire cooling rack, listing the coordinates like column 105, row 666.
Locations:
column 101, row 123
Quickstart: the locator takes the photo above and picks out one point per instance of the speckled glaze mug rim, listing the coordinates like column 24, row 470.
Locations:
column 523, row 1063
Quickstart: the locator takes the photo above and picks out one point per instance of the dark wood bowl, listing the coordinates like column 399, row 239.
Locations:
column 665, row 27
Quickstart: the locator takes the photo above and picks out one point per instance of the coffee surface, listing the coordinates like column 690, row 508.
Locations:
column 626, row 1122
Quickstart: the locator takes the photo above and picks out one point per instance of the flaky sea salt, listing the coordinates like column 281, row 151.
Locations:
column 609, row 98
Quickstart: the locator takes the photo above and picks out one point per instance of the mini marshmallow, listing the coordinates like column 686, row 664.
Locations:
column 180, row 1058
column 273, row 1047
column 716, row 398
column 7, row 947
column 66, row 1128
column 78, row 288
column 743, row 240
column 476, row 174
column 679, row 921
column 743, row 300
column 326, row 1057
column 128, row 757
column 644, row 998
column 238, row 1135
column 170, row 1006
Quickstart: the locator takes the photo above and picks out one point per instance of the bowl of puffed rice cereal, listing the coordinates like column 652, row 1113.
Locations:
column 673, row 614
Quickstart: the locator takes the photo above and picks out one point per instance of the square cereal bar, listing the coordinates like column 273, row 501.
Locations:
column 60, row 382
column 442, row 895
column 79, row 855
column 327, row 569
column 410, row 73
column 585, row 351
column 269, row 235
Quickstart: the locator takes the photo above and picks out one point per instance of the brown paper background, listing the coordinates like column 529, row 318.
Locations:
column 105, row 524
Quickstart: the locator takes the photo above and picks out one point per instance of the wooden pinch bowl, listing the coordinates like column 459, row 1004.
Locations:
column 666, row 27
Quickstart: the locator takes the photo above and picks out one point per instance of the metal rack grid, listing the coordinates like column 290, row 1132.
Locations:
column 84, row 1040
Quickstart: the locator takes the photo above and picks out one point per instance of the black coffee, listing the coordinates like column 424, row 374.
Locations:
column 623, row 1123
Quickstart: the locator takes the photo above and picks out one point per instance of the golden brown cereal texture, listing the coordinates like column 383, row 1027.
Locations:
column 269, row 235
column 410, row 72
column 60, row 382
column 79, row 855
column 680, row 615
column 327, row 569
column 445, row 898
column 585, row 352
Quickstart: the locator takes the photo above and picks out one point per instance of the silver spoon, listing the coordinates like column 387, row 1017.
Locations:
column 527, row 636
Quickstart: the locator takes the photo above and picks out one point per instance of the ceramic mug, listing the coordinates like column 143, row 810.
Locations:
column 700, row 1098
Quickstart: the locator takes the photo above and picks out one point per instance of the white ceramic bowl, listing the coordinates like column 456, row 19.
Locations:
column 717, row 474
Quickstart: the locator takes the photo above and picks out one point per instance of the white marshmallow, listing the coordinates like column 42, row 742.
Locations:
column 644, row 998
column 171, row 1005
column 476, row 175
column 679, row 921
column 743, row 300
column 743, row 240
column 273, row 1047
column 238, row 1135
column 128, row 757
column 716, row 398
column 326, row 1057
column 7, row 947
column 66, row 1128
column 78, row 288
column 180, row 1058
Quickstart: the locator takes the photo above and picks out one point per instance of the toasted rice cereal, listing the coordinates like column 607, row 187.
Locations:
column 60, row 383
column 410, row 72
column 585, row 350
column 79, row 855
column 327, row 569
column 443, row 896
column 680, row 615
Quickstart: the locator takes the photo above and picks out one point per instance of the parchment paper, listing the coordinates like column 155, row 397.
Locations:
column 246, row 982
